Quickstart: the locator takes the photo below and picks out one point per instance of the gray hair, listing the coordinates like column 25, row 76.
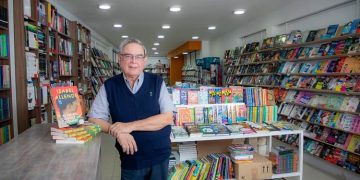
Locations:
column 130, row 41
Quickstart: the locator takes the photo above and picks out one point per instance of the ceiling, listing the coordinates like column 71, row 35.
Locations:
column 143, row 19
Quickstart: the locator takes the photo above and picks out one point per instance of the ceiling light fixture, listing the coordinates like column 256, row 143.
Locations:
column 124, row 36
column 154, row 48
column 175, row 8
column 104, row 6
column 166, row 26
column 239, row 11
column 211, row 27
column 156, row 44
column 195, row 37
column 161, row 36
column 117, row 25
column 184, row 53
column 176, row 57
column 156, row 53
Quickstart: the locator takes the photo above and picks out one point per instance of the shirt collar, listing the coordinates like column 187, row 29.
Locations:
column 139, row 79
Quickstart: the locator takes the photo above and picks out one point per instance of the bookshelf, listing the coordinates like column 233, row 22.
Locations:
column 83, row 47
column 47, row 55
column 101, row 67
column 6, row 121
column 162, row 70
column 281, row 67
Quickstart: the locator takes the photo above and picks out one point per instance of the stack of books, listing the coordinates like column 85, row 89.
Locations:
column 74, row 135
column 284, row 160
column 241, row 152
column 187, row 151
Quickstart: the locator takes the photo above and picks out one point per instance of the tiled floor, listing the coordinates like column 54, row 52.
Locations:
column 110, row 163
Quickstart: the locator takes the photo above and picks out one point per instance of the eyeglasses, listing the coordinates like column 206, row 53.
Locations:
column 128, row 57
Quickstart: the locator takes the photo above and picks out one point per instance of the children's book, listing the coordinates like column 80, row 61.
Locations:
column 67, row 106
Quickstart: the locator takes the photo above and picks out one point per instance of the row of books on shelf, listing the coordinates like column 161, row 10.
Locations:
column 65, row 67
column 298, row 37
column 96, row 53
column 66, row 47
column 341, row 65
column 83, row 35
column 5, row 134
column 284, row 160
column 212, row 166
column 336, row 65
column 57, row 21
column 349, row 47
column 217, row 95
column 343, row 140
column 100, row 63
column 340, row 121
column 3, row 17
column 31, row 35
column 335, row 84
column 333, row 155
column 74, row 135
column 190, row 130
column 4, row 108
column 211, row 114
column 41, row 38
column 336, row 102
column 4, row 45
column 4, row 76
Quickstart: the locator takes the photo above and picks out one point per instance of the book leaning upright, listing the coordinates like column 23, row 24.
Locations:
column 67, row 106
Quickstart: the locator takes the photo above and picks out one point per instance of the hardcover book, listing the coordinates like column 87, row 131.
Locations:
column 67, row 106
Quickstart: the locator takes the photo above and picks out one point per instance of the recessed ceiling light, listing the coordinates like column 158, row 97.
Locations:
column 195, row 37
column 184, row 53
column 165, row 26
column 176, row 57
column 154, row 48
column 175, row 9
column 104, row 6
column 124, row 36
column 161, row 36
column 117, row 25
column 211, row 27
column 156, row 44
column 156, row 53
column 239, row 11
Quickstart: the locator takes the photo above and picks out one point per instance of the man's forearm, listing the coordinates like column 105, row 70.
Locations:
column 153, row 123
column 103, row 124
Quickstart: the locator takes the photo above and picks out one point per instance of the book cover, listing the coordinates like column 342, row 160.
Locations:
column 192, row 97
column 67, row 105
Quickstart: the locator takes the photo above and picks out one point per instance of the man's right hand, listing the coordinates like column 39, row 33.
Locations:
column 127, row 142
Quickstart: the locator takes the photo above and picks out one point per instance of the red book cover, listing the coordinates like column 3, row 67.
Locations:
column 67, row 105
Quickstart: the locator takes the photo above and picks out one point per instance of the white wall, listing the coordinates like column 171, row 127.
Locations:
column 273, row 23
column 97, row 40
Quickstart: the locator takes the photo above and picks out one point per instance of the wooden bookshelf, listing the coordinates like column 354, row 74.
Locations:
column 55, row 66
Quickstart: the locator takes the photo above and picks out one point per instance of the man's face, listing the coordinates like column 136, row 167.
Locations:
column 132, row 60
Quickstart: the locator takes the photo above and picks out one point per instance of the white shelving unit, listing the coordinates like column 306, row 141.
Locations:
column 268, row 135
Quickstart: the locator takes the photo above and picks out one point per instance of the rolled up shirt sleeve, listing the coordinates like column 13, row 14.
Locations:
column 100, row 106
column 165, row 101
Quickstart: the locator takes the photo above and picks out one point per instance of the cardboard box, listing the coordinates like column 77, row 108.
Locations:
column 259, row 168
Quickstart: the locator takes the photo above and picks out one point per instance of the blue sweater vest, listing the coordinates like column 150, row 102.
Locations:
column 153, row 146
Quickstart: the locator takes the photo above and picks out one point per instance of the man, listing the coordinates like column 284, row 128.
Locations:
column 141, row 111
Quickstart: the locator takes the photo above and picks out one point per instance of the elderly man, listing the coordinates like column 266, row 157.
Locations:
column 141, row 111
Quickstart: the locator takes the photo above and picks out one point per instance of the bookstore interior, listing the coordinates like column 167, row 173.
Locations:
column 260, row 89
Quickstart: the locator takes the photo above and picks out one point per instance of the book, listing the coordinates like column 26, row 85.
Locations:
column 67, row 106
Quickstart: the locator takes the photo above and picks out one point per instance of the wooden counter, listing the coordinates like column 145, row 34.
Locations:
column 34, row 155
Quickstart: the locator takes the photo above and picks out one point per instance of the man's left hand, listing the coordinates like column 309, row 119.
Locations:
column 120, row 127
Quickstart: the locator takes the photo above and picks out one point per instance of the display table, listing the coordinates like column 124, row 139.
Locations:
column 34, row 155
